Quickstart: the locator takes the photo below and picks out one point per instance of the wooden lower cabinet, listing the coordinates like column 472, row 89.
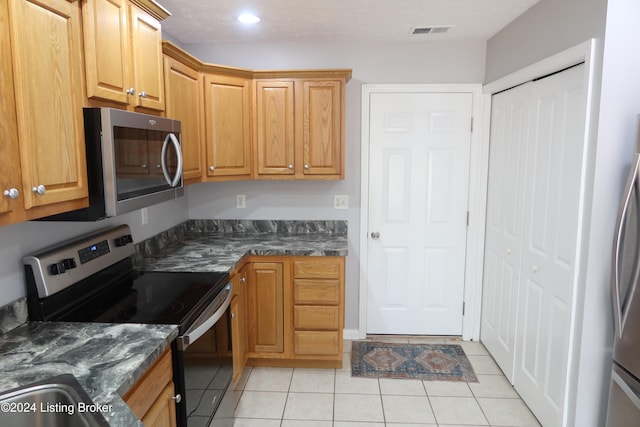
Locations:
column 151, row 398
column 295, row 312
column 265, row 309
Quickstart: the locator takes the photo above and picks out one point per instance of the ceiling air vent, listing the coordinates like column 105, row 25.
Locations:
column 430, row 30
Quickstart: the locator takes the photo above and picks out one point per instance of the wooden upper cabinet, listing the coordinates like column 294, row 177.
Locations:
column 322, row 128
column 48, row 105
column 183, row 87
column 228, row 127
column 299, row 125
column 146, row 41
column 274, row 127
column 10, row 177
column 107, row 49
column 123, row 53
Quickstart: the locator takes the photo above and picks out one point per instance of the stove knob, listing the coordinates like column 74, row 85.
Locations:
column 124, row 240
column 57, row 268
column 69, row 263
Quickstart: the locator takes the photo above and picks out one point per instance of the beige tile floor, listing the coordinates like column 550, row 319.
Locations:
column 279, row 397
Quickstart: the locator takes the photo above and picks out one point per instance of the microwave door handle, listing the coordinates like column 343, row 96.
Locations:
column 165, row 171
column 630, row 187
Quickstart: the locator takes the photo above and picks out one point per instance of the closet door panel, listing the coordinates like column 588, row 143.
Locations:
column 552, row 221
column 505, row 205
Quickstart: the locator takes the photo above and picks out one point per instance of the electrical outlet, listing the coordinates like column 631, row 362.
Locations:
column 340, row 201
column 144, row 216
column 241, row 201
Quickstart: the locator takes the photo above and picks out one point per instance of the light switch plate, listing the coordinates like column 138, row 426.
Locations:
column 340, row 201
column 241, row 201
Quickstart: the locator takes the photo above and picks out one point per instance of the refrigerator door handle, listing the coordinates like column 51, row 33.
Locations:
column 622, row 220
column 633, row 397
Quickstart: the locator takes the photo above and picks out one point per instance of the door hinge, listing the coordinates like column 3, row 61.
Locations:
column 463, row 307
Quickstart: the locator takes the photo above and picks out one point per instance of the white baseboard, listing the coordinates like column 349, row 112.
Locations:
column 351, row 334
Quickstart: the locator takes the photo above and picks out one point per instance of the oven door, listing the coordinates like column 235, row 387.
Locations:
column 203, row 365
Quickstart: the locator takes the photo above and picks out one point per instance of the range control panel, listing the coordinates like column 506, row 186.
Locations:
column 56, row 268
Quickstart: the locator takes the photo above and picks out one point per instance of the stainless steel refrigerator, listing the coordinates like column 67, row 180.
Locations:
column 624, row 396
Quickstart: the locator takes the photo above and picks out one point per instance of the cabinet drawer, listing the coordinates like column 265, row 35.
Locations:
column 316, row 317
column 317, row 269
column 313, row 291
column 317, row 342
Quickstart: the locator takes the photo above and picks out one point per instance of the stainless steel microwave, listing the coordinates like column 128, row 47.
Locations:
column 134, row 160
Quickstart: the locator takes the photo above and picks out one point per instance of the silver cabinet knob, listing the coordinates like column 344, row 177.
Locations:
column 243, row 280
column 131, row 91
column 144, row 166
column 306, row 166
column 212, row 168
column 40, row 189
column 508, row 251
column 375, row 235
column 12, row 193
column 177, row 398
column 143, row 94
column 290, row 167
column 158, row 166
column 233, row 315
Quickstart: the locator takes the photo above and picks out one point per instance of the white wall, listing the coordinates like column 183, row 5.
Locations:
column 549, row 27
column 443, row 62
column 24, row 238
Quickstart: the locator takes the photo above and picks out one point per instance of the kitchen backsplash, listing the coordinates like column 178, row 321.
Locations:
column 199, row 227
column 13, row 315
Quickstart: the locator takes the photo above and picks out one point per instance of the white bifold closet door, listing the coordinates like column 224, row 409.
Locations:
column 534, row 206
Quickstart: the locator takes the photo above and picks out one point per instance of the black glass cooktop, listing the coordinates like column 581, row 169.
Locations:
column 153, row 297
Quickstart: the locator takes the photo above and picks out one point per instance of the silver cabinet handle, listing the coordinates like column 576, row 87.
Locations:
column 12, row 193
column 158, row 166
column 144, row 166
column 212, row 168
column 375, row 235
column 40, row 189
column 131, row 91
column 243, row 280
column 306, row 166
column 143, row 94
column 290, row 167
column 177, row 398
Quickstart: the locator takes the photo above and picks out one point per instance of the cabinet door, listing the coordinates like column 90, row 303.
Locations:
column 47, row 36
column 10, row 177
column 163, row 412
column 266, row 307
column 106, row 49
column 274, row 128
column 228, row 131
column 146, row 43
column 184, row 103
column 239, row 324
column 322, row 128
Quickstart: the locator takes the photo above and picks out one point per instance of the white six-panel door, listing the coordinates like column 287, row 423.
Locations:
column 532, row 238
column 418, row 196
column 503, row 233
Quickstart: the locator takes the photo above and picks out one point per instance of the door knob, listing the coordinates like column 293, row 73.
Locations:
column 375, row 235
column 12, row 193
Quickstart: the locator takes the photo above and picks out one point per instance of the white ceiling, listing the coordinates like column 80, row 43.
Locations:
column 214, row 21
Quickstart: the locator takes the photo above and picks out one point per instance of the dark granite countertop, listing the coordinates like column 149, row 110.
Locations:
column 219, row 246
column 107, row 359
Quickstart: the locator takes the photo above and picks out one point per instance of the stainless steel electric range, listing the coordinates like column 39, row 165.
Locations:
column 92, row 279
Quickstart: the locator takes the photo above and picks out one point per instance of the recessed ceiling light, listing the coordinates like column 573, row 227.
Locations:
column 248, row 18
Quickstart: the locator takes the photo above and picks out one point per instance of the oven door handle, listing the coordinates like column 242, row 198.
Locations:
column 207, row 319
